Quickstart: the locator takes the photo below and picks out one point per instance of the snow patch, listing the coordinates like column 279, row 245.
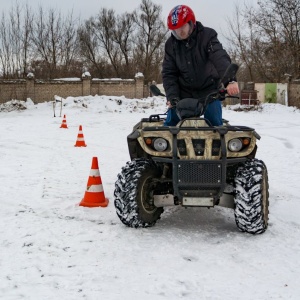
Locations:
column 14, row 105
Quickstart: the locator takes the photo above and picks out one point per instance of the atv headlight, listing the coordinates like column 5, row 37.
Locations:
column 235, row 145
column 160, row 144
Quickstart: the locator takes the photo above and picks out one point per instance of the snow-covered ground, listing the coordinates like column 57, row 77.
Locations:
column 52, row 248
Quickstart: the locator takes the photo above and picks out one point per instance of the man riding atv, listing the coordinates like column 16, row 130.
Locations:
column 193, row 64
column 186, row 160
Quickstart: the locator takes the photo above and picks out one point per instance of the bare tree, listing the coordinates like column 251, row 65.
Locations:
column 14, row 40
column 265, row 40
column 116, row 36
column 5, row 48
column 89, row 48
column 104, row 28
column 123, row 37
column 98, row 46
column 150, row 38
column 130, row 42
column 240, row 42
column 287, row 22
column 20, row 34
column 46, row 37
column 70, row 44
column 55, row 42
column 108, row 44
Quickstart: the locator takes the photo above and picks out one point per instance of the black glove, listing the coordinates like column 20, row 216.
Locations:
column 174, row 101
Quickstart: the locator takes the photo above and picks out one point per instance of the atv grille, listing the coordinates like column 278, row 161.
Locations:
column 181, row 147
column 216, row 145
column 199, row 173
column 199, row 146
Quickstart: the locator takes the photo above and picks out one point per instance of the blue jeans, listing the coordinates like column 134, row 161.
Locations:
column 172, row 117
column 213, row 114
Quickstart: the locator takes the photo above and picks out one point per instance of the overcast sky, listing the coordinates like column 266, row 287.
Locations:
column 212, row 13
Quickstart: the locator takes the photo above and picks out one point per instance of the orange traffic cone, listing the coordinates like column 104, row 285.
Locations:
column 80, row 138
column 94, row 194
column 64, row 123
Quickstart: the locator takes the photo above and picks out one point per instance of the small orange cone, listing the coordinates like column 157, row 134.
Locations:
column 94, row 194
column 64, row 123
column 80, row 138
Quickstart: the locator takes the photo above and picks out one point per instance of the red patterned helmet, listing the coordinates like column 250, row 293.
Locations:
column 180, row 15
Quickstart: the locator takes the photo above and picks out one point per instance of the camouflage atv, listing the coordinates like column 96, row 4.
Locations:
column 193, row 164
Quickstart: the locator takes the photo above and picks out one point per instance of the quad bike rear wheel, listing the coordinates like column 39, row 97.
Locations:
column 251, row 190
column 134, row 194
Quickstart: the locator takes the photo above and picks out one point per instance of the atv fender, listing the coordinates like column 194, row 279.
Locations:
column 134, row 147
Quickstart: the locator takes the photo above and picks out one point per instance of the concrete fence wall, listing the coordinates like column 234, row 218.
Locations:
column 39, row 90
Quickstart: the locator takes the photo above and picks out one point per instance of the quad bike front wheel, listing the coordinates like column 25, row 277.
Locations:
column 134, row 194
column 251, row 190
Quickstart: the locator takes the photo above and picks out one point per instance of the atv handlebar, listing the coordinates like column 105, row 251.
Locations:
column 219, row 94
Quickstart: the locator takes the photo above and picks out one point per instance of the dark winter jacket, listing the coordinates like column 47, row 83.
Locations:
column 192, row 67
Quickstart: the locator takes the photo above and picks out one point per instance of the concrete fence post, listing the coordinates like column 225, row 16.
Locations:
column 86, row 84
column 30, row 87
column 139, row 85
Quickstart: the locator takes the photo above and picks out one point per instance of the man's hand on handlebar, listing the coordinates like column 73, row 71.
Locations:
column 232, row 88
column 173, row 102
